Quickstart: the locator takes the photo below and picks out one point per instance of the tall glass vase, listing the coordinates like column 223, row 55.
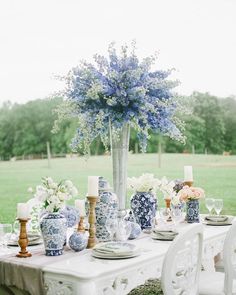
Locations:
column 119, row 151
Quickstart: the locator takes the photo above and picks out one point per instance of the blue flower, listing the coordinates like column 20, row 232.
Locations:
column 121, row 89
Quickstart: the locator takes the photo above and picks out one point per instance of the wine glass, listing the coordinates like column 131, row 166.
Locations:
column 111, row 226
column 209, row 204
column 123, row 230
column 176, row 214
column 5, row 234
column 218, row 206
column 164, row 214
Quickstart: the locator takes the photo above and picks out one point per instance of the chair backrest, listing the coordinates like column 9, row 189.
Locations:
column 182, row 263
column 229, row 258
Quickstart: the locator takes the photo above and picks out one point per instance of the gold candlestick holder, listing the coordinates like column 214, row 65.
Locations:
column 23, row 240
column 81, row 227
column 92, row 221
column 189, row 183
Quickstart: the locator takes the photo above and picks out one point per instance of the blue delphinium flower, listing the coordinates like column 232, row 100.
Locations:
column 117, row 90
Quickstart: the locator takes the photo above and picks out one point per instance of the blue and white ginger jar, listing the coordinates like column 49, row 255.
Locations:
column 78, row 241
column 144, row 206
column 106, row 207
column 53, row 227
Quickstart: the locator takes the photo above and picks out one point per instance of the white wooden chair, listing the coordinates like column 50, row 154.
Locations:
column 181, row 266
column 218, row 283
column 182, row 263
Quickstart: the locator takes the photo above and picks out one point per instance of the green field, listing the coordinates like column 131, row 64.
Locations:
column 216, row 174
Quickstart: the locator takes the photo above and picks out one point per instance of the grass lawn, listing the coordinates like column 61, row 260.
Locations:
column 216, row 174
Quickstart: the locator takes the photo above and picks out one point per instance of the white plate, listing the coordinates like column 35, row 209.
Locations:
column 163, row 237
column 31, row 243
column 213, row 218
column 116, row 248
column 102, row 256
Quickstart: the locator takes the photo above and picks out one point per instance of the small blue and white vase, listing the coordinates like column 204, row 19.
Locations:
column 106, row 207
column 78, row 241
column 192, row 211
column 53, row 228
column 144, row 206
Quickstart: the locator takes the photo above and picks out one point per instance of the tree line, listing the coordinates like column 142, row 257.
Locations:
column 26, row 128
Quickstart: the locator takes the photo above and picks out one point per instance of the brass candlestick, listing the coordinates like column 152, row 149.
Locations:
column 189, row 183
column 92, row 220
column 23, row 240
column 81, row 225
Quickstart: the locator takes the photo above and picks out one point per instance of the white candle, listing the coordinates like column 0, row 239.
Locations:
column 22, row 211
column 80, row 205
column 93, row 186
column 188, row 173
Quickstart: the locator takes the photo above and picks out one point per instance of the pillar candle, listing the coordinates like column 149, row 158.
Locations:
column 22, row 211
column 93, row 186
column 188, row 173
column 80, row 205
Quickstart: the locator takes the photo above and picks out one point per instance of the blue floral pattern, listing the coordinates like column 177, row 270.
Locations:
column 192, row 211
column 53, row 228
column 144, row 206
column 78, row 241
column 107, row 204
column 71, row 214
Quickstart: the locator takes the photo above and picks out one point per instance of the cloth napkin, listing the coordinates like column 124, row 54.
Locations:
column 115, row 248
column 216, row 218
column 164, row 234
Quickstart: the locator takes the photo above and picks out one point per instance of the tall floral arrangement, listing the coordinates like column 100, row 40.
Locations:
column 116, row 90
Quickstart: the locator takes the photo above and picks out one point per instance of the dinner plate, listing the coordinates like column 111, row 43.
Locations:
column 221, row 218
column 116, row 247
column 111, row 256
column 162, row 237
column 218, row 223
column 31, row 243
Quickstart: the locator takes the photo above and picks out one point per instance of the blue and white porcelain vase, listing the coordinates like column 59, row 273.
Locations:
column 53, row 227
column 106, row 207
column 78, row 241
column 192, row 211
column 144, row 206
column 135, row 227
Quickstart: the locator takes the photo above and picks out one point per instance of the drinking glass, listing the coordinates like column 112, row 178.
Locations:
column 5, row 234
column 218, row 206
column 111, row 226
column 123, row 230
column 209, row 204
column 176, row 214
column 164, row 214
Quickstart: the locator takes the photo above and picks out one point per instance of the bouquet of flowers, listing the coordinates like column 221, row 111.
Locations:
column 144, row 183
column 190, row 193
column 147, row 182
column 54, row 195
column 118, row 90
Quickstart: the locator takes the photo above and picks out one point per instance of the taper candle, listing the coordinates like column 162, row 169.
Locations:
column 93, row 186
column 188, row 173
column 22, row 211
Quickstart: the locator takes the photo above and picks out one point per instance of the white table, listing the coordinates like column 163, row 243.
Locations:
column 80, row 273
column 86, row 275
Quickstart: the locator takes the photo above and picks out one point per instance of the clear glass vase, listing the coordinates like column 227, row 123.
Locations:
column 119, row 151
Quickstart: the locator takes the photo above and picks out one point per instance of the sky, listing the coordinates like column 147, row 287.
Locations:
column 44, row 38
